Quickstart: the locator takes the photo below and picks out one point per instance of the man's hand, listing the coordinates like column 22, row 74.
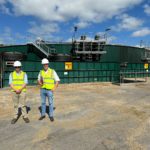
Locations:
column 40, row 83
column 18, row 91
column 53, row 89
column 56, row 85
column 13, row 88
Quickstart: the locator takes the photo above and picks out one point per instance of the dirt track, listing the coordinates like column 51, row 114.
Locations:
column 87, row 117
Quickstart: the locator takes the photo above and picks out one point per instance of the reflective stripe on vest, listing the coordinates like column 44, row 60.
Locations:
column 47, row 79
column 18, row 80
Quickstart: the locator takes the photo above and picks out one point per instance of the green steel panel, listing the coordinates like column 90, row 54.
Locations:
column 95, row 73
column 89, row 65
column 86, row 73
column 59, row 66
column 80, row 74
column 91, row 73
column 76, row 80
column 97, row 66
column 86, row 79
column 104, row 73
column 105, row 66
column 82, row 66
column 76, row 73
column 90, row 79
column 71, row 74
column 75, row 65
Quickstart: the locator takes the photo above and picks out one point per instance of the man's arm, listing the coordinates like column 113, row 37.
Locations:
column 56, row 85
column 23, row 86
column 57, row 80
column 12, row 87
column 40, row 82
column 10, row 83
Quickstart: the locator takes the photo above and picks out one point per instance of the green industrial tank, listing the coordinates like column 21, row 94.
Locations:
column 74, row 64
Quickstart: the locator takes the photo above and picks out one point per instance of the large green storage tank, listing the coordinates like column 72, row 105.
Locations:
column 105, row 70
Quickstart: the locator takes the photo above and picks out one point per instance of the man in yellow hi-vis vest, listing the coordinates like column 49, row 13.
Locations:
column 48, row 80
column 18, row 81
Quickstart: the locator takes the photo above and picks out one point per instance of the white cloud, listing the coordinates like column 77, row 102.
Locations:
column 141, row 32
column 84, row 12
column 82, row 24
column 1, row 41
column 7, row 36
column 128, row 23
column 68, row 40
column 139, row 46
column 63, row 10
column 147, row 9
column 2, row 1
column 111, row 39
column 44, row 30
column 5, row 10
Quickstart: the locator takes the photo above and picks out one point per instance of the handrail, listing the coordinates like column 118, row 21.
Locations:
column 43, row 47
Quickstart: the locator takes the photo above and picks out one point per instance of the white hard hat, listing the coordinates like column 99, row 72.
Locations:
column 45, row 61
column 17, row 64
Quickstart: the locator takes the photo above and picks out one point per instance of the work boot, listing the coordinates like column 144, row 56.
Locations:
column 14, row 120
column 42, row 117
column 51, row 119
column 26, row 120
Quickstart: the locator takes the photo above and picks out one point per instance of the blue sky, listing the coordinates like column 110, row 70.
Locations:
column 23, row 21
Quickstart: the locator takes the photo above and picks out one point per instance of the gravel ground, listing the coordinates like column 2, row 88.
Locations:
column 92, row 116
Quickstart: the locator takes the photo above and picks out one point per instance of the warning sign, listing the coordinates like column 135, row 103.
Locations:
column 145, row 66
column 68, row 65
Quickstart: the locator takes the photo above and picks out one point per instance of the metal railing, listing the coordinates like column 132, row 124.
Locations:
column 1, row 72
column 89, row 47
column 134, row 75
column 44, row 48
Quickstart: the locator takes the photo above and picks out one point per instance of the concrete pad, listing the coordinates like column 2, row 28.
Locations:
column 90, row 116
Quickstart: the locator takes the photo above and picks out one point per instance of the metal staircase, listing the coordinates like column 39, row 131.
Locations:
column 46, row 50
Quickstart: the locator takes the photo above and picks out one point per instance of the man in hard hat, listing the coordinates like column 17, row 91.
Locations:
column 49, row 80
column 18, row 81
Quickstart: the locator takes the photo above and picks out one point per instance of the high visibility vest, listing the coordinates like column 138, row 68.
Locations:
column 18, row 80
column 47, row 78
